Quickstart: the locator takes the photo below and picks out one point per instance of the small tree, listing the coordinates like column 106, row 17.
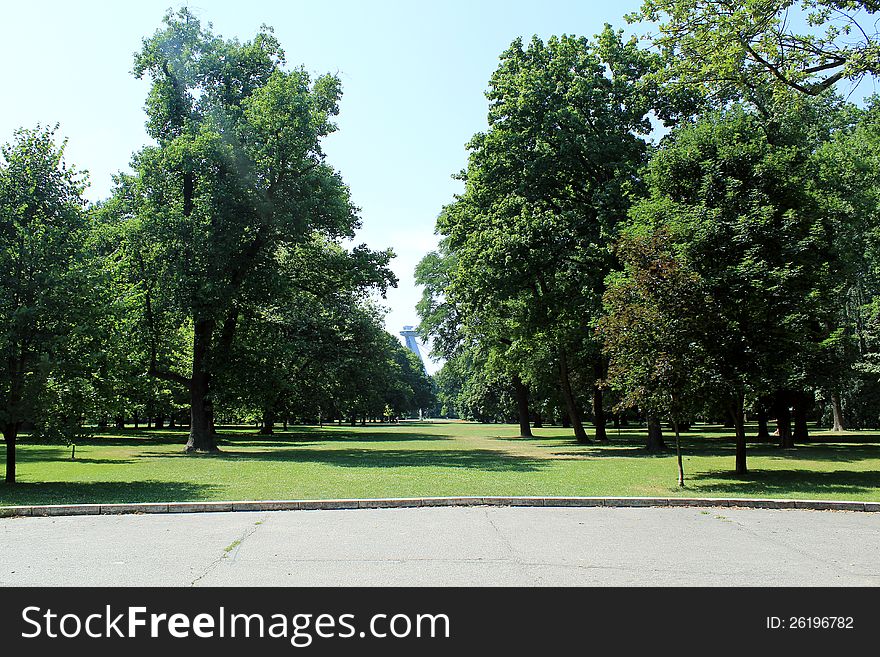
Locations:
column 655, row 330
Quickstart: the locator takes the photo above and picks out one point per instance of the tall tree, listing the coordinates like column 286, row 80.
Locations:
column 237, row 173
column 734, row 192
column 544, row 189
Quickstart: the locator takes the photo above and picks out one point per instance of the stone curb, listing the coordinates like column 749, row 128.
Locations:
column 397, row 503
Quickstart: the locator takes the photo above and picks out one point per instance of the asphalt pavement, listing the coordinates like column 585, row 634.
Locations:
column 480, row 546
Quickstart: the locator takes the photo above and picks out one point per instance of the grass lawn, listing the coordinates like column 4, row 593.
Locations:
column 433, row 459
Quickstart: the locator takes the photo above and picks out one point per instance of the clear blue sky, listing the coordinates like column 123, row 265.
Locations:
column 414, row 74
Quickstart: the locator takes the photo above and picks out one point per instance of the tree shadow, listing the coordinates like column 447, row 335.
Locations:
column 787, row 482
column 832, row 452
column 102, row 492
column 59, row 454
column 134, row 439
column 330, row 437
column 485, row 460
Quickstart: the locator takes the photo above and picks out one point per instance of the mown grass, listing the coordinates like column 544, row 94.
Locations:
column 433, row 459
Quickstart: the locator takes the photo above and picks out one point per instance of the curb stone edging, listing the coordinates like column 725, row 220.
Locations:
column 397, row 503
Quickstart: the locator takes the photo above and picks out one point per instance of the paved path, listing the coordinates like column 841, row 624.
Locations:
column 447, row 546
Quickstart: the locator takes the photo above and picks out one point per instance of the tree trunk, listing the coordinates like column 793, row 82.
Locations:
column 120, row 422
column 566, row 421
column 678, row 453
column 10, row 434
column 539, row 421
column 763, row 431
column 737, row 413
column 136, row 420
column 655, row 435
column 267, row 426
column 522, row 405
column 837, row 413
column 783, row 424
column 201, row 427
column 567, row 394
column 599, row 420
column 159, row 422
column 801, row 432
column 172, row 424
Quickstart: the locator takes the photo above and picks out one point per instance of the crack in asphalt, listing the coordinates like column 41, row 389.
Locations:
column 781, row 543
column 511, row 551
column 233, row 548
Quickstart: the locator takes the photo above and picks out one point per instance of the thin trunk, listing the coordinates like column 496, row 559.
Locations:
column 567, row 394
column 599, row 420
column 201, row 428
column 522, row 404
column 737, row 413
column 12, row 426
column 837, row 413
column 655, row 435
column 172, row 423
column 678, row 453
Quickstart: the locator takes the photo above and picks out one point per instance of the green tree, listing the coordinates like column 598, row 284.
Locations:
column 47, row 277
column 848, row 192
column 283, row 341
column 731, row 47
column 657, row 331
column 544, row 189
column 236, row 174
column 736, row 194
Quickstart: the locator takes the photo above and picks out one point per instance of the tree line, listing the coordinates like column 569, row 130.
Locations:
column 679, row 231
column 214, row 284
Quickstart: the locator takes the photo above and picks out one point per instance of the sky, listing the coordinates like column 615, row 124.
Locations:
column 414, row 76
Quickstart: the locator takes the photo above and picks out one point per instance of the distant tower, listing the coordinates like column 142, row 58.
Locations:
column 409, row 335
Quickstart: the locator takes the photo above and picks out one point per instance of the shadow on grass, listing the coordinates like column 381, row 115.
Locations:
column 102, row 492
column 832, row 452
column 329, row 437
column 250, row 437
column 786, row 482
column 485, row 460
column 60, row 454
column 95, row 461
